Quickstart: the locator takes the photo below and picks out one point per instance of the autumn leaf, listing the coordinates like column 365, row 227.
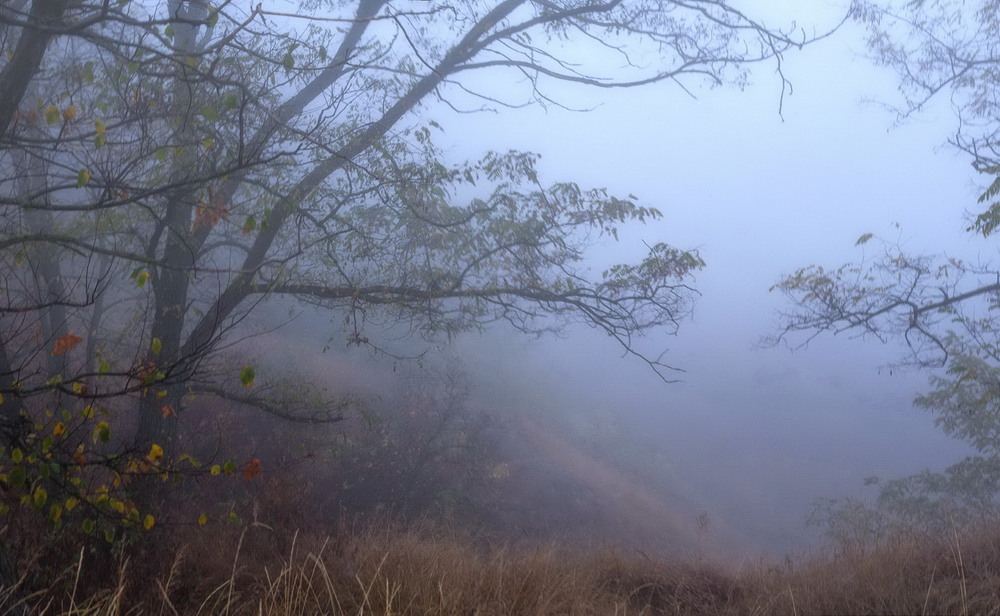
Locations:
column 148, row 522
column 210, row 211
column 100, row 127
column 167, row 411
column 69, row 113
column 252, row 469
column 39, row 497
column 140, row 277
column 246, row 376
column 202, row 520
column 148, row 372
column 65, row 343
column 155, row 452
column 78, row 456
column 59, row 430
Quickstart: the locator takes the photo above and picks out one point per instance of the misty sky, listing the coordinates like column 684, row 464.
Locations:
column 751, row 435
column 757, row 433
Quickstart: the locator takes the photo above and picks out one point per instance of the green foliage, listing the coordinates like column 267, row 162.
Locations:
column 55, row 471
column 945, row 310
column 164, row 173
column 70, row 470
column 965, row 403
column 987, row 222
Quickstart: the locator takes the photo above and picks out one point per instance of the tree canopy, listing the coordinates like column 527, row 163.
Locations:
column 945, row 309
column 166, row 168
column 936, row 49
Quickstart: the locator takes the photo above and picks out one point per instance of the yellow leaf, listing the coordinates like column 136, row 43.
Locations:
column 79, row 388
column 59, row 430
column 148, row 522
column 69, row 113
column 202, row 520
column 100, row 127
column 156, row 346
column 39, row 497
column 247, row 376
column 155, row 452
column 52, row 115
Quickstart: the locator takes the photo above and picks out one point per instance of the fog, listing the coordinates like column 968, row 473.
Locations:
column 761, row 183
column 573, row 436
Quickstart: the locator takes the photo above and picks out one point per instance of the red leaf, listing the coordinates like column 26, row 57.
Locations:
column 65, row 343
column 252, row 469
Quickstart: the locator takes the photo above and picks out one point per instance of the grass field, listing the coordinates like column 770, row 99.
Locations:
column 385, row 569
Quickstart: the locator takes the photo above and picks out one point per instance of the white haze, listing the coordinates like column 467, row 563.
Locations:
column 750, row 435
column 756, row 434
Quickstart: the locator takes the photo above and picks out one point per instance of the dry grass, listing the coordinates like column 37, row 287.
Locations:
column 383, row 570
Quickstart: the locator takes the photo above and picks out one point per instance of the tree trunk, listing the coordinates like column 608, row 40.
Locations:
column 27, row 57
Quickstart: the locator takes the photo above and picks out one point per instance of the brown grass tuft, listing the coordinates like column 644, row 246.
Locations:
column 383, row 568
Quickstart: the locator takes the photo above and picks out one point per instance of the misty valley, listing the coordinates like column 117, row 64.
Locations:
column 499, row 307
